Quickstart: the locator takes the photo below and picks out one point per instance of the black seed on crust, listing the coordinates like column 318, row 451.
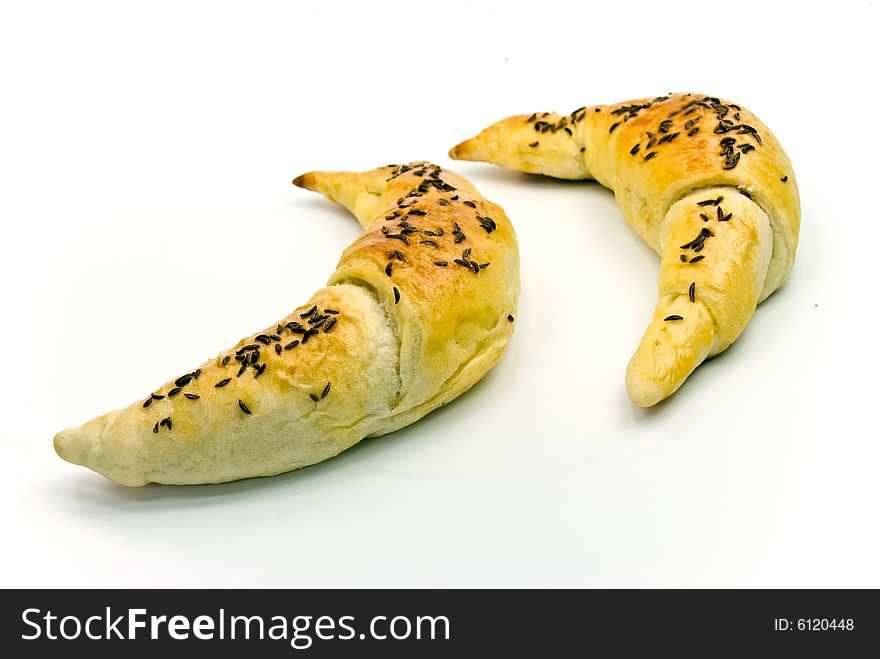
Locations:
column 183, row 380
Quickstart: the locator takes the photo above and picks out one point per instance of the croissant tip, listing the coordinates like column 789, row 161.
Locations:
column 645, row 396
column 643, row 389
column 70, row 446
column 472, row 150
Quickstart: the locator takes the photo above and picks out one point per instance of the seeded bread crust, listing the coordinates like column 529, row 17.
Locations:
column 420, row 307
column 704, row 182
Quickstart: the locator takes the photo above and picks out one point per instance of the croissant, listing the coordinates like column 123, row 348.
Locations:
column 420, row 307
column 703, row 182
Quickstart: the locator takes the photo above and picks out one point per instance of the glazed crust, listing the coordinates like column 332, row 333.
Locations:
column 678, row 165
column 420, row 307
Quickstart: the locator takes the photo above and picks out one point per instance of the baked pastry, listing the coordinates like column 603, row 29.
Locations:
column 420, row 307
column 703, row 182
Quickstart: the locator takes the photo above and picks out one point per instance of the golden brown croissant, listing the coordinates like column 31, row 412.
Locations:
column 703, row 182
column 420, row 307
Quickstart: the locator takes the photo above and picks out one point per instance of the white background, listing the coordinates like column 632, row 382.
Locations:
column 149, row 222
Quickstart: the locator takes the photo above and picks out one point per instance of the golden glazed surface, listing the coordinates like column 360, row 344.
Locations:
column 419, row 308
column 704, row 182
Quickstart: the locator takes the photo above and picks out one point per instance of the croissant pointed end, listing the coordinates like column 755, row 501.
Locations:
column 467, row 150
column 642, row 392
column 306, row 181
column 72, row 445
column 670, row 350
column 652, row 373
column 88, row 446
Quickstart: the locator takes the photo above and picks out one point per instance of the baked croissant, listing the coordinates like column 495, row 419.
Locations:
column 420, row 307
column 703, row 182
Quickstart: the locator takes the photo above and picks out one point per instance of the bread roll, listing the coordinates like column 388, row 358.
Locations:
column 703, row 182
column 419, row 308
